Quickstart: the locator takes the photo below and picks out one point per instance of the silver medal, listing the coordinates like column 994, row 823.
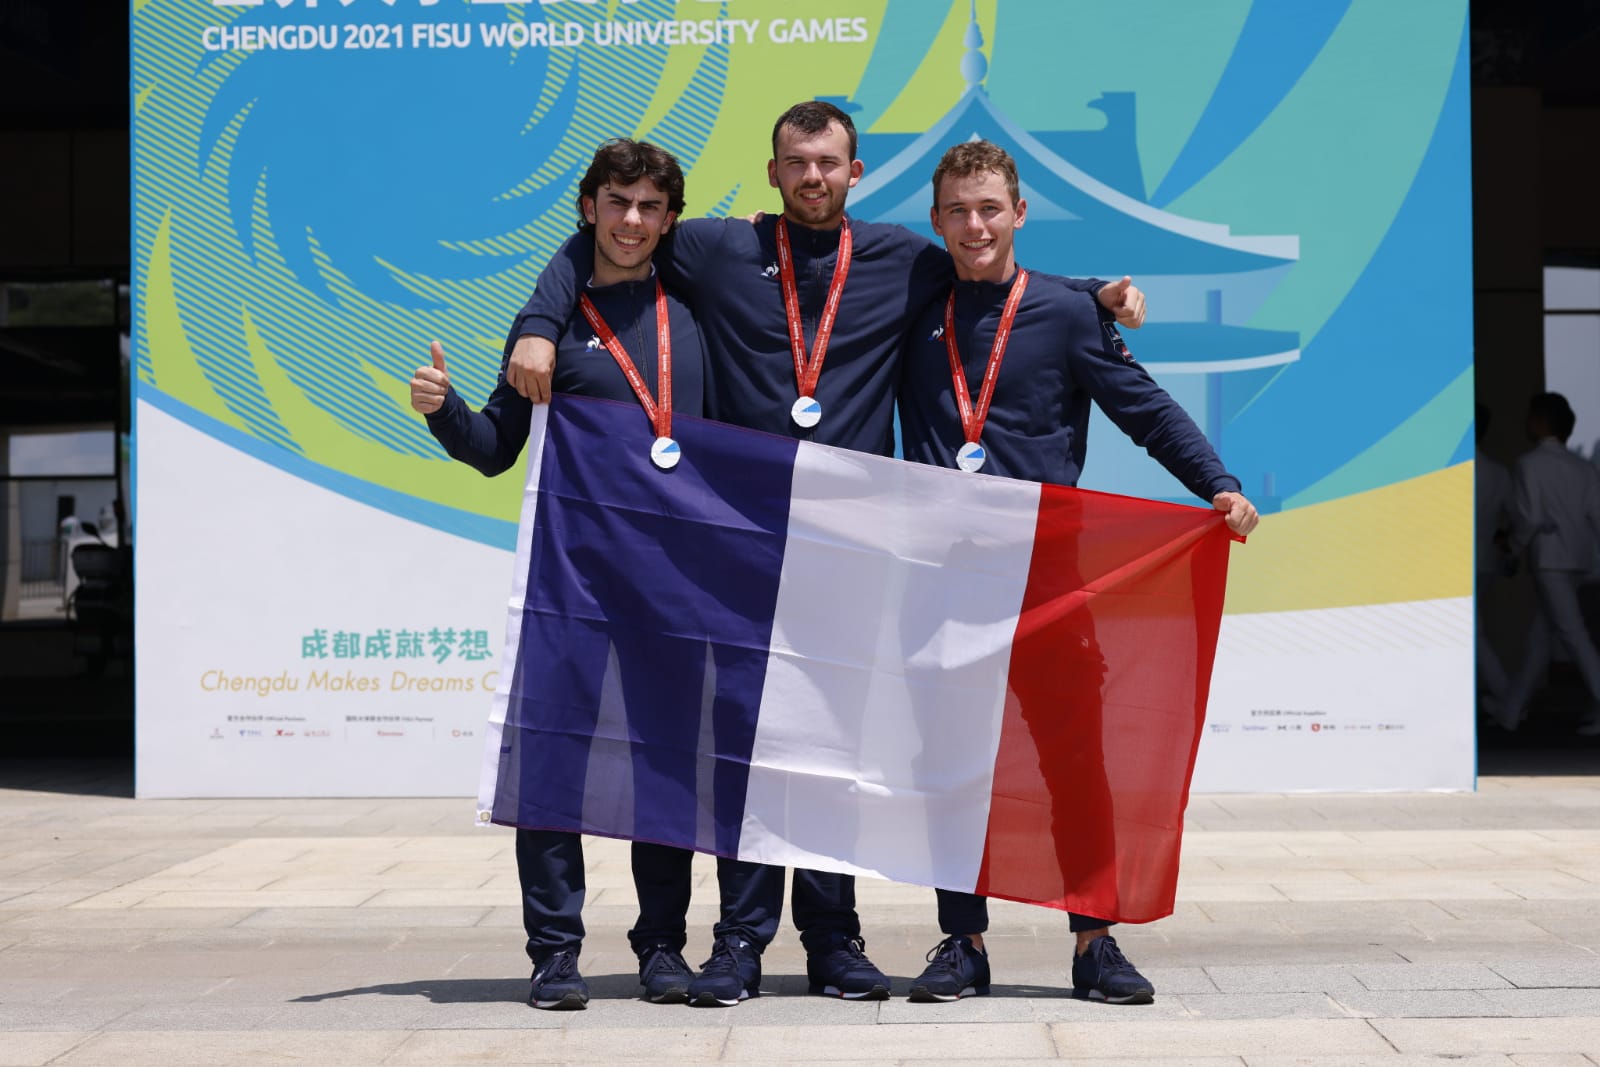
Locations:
column 970, row 456
column 665, row 453
column 806, row 412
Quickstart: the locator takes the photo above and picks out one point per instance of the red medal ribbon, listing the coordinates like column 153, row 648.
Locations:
column 660, row 415
column 808, row 369
column 972, row 421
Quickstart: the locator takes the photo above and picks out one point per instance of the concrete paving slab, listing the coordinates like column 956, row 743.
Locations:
column 1537, row 974
column 1508, row 929
column 1544, row 1003
column 65, row 1013
column 393, row 963
column 1185, row 949
column 346, row 917
column 334, row 1016
column 391, row 938
column 1462, row 952
column 124, row 919
column 184, row 1048
column 1103, row 1061
column 192, row 1017
column 28, row 990
column 1311, row 914
column 1393, row 1059
column 1179, row 980
column 1211, row 1037
column 963, row 1042
column 43, row 900
column 1421, row 1004
column 613, row 1045
column 996, row 1008
column 1450, row 1037
column 1424, row 976
column 1305, row 978
column 24, row 1049
column 1263, row 1006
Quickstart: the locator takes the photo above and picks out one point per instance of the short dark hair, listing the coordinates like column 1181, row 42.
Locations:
column 975, row 157
column 623, row 162
column 1553, row 410
column 812, row 117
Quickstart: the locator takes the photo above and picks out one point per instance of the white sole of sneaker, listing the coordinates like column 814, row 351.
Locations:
column 877, row 992
column 707, row 1000
column 922, row 996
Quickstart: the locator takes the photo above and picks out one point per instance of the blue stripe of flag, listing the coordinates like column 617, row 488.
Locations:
column 645, row 631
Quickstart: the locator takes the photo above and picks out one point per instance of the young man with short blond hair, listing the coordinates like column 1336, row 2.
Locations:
column 997, row 378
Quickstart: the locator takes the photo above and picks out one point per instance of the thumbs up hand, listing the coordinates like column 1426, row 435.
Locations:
column 430, row 384
column 1124, row 300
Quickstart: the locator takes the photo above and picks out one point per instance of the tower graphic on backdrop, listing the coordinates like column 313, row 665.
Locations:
column 1203, row 282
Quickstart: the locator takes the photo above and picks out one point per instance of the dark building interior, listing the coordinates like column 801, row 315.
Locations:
column 66, row 670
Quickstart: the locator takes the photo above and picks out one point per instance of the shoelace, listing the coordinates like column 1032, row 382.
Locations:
column 664, row 960
column 722, row 959
column 1111, row 957
column 946, row 956
column 855, row 947
column 561, row 965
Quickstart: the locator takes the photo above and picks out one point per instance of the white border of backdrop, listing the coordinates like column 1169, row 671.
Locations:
column 234, row 577
column 1355, row 698
column 1329, row 699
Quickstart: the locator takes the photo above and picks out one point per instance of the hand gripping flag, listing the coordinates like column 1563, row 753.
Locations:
column 801, row 655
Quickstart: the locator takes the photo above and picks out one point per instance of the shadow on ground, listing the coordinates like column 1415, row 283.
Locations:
column 601, row 987
column 85, row 776
column 469, row 990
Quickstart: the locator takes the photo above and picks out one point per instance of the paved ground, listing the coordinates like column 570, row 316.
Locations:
column 1337, row 930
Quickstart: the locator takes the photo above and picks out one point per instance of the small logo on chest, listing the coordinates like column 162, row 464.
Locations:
column 594, row 344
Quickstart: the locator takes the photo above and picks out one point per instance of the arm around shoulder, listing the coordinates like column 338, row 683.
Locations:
column 557, row 290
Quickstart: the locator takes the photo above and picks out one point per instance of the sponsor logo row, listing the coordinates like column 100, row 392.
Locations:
column 349, row 732
column 1305, row 727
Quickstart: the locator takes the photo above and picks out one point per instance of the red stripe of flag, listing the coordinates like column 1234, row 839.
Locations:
column 1110, row 669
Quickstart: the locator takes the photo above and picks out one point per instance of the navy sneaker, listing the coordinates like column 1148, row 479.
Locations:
column 1104, row 973
column 665, row 975
column 556, row 983
column 956, row 968
column 841, row 969
column 732, row 974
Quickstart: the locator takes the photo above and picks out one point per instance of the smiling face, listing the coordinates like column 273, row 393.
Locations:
column 977, row 218
column 629, row 221
column 813, row 173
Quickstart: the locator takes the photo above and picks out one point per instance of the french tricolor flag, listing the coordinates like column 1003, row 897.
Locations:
column 807, row 656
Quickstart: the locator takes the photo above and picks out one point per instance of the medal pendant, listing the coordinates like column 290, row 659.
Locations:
column 806, row 412
column 970, row 456
column 665, row 453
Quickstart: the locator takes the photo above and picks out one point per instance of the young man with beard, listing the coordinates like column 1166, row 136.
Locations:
column 997, row 378
column 611, row 347
column 803, row 315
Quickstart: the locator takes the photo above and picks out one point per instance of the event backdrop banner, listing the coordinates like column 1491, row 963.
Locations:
column 322, row 187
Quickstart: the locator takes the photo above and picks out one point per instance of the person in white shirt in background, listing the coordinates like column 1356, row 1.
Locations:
column 1492, row 482
column 1556, row 517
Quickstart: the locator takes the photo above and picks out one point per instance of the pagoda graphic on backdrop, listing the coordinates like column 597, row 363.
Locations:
column 1203, row 282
